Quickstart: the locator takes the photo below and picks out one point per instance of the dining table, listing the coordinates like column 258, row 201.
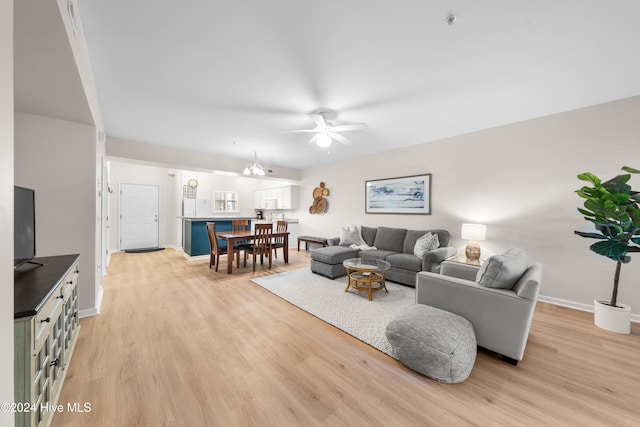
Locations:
column 231, row 237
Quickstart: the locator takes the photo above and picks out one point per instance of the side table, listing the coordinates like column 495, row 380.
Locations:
column 461, row 267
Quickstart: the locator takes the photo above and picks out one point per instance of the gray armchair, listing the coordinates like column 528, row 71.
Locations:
column 501, row 318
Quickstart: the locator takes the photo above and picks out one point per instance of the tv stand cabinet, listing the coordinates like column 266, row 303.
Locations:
column 45, row 333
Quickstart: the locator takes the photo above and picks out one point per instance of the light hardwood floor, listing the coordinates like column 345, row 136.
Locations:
column 177, row 344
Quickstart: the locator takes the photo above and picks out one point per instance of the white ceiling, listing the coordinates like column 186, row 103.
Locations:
column 226, row 76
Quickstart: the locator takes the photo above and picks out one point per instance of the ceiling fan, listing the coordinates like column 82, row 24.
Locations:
column 325, row 130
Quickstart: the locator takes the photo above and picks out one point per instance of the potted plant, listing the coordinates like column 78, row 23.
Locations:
column 614, row 208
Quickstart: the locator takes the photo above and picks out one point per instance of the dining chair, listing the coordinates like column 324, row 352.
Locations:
column 261, row 244
column 278, row 242
column 217, row 249
column 240, row 225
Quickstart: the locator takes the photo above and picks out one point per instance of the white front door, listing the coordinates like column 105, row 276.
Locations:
column 139, row 209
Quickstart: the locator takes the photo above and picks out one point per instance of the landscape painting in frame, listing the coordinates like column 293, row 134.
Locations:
column 404, row 195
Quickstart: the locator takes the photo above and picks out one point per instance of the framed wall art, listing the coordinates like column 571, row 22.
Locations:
column 403, row 195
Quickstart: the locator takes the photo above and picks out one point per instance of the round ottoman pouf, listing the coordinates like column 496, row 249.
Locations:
column 434, row 342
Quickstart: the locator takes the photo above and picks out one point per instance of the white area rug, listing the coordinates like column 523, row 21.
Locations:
column 349, row 311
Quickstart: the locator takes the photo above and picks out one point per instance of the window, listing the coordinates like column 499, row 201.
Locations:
column 225, row 201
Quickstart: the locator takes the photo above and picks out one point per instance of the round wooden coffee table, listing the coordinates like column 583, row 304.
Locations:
column 366, row 275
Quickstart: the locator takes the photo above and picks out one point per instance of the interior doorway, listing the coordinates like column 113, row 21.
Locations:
column 139, row 220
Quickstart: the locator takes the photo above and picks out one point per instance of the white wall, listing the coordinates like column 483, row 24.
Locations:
column 57, row 159
column 171, row 182
column 6, row 208
column 519, row 180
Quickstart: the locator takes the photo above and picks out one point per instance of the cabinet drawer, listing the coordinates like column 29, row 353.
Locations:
column 69, row 284
column 46, row 315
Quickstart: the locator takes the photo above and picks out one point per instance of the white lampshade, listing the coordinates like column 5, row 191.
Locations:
column 475, row 232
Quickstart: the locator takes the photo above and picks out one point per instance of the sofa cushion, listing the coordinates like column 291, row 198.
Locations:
column 390, row 239
column 426, row 243
column 376, row 254
column 333, row 254
column 368, row 234
column 350, row 235
column 405, row 261
column 503, row 271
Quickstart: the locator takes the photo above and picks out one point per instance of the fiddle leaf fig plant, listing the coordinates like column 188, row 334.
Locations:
column 614, row 209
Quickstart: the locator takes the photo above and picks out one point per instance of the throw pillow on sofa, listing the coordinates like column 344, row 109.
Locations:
column 350, row 236
column 426, row 243
column 503, row 271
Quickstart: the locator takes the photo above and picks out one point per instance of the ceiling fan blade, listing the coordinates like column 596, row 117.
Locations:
column 355, row 126
column 319, row 120
column 296, row 131
column 313, row 140
column 339, row 138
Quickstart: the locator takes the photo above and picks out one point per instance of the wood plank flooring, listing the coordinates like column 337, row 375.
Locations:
column 177, row 344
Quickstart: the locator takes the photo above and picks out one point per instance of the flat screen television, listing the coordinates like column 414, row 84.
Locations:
column 24, row 225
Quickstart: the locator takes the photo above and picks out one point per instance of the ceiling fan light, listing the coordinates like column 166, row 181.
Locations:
column 323, row 140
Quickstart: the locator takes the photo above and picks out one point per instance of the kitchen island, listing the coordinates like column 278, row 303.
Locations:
column 195, row 242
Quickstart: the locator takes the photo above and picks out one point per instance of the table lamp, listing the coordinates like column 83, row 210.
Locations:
column 473, row 233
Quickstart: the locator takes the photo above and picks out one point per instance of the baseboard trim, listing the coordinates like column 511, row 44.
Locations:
column 88, row 313
column 99, row 298
column 95, row 310
column 195, row 258
column 577, row 306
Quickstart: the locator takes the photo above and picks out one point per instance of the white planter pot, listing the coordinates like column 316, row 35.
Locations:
column 614, row 319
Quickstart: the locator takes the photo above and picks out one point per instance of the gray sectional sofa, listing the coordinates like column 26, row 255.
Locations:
column 394, row 245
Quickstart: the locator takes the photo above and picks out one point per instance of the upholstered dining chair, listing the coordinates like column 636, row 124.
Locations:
column 261, row 244
column 217, row 249
column 278, row 242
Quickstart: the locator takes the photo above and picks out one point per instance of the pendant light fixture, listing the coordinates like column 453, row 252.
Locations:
column 254, row 168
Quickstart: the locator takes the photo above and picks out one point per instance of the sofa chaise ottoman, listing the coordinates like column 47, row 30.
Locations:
column 397, row 246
